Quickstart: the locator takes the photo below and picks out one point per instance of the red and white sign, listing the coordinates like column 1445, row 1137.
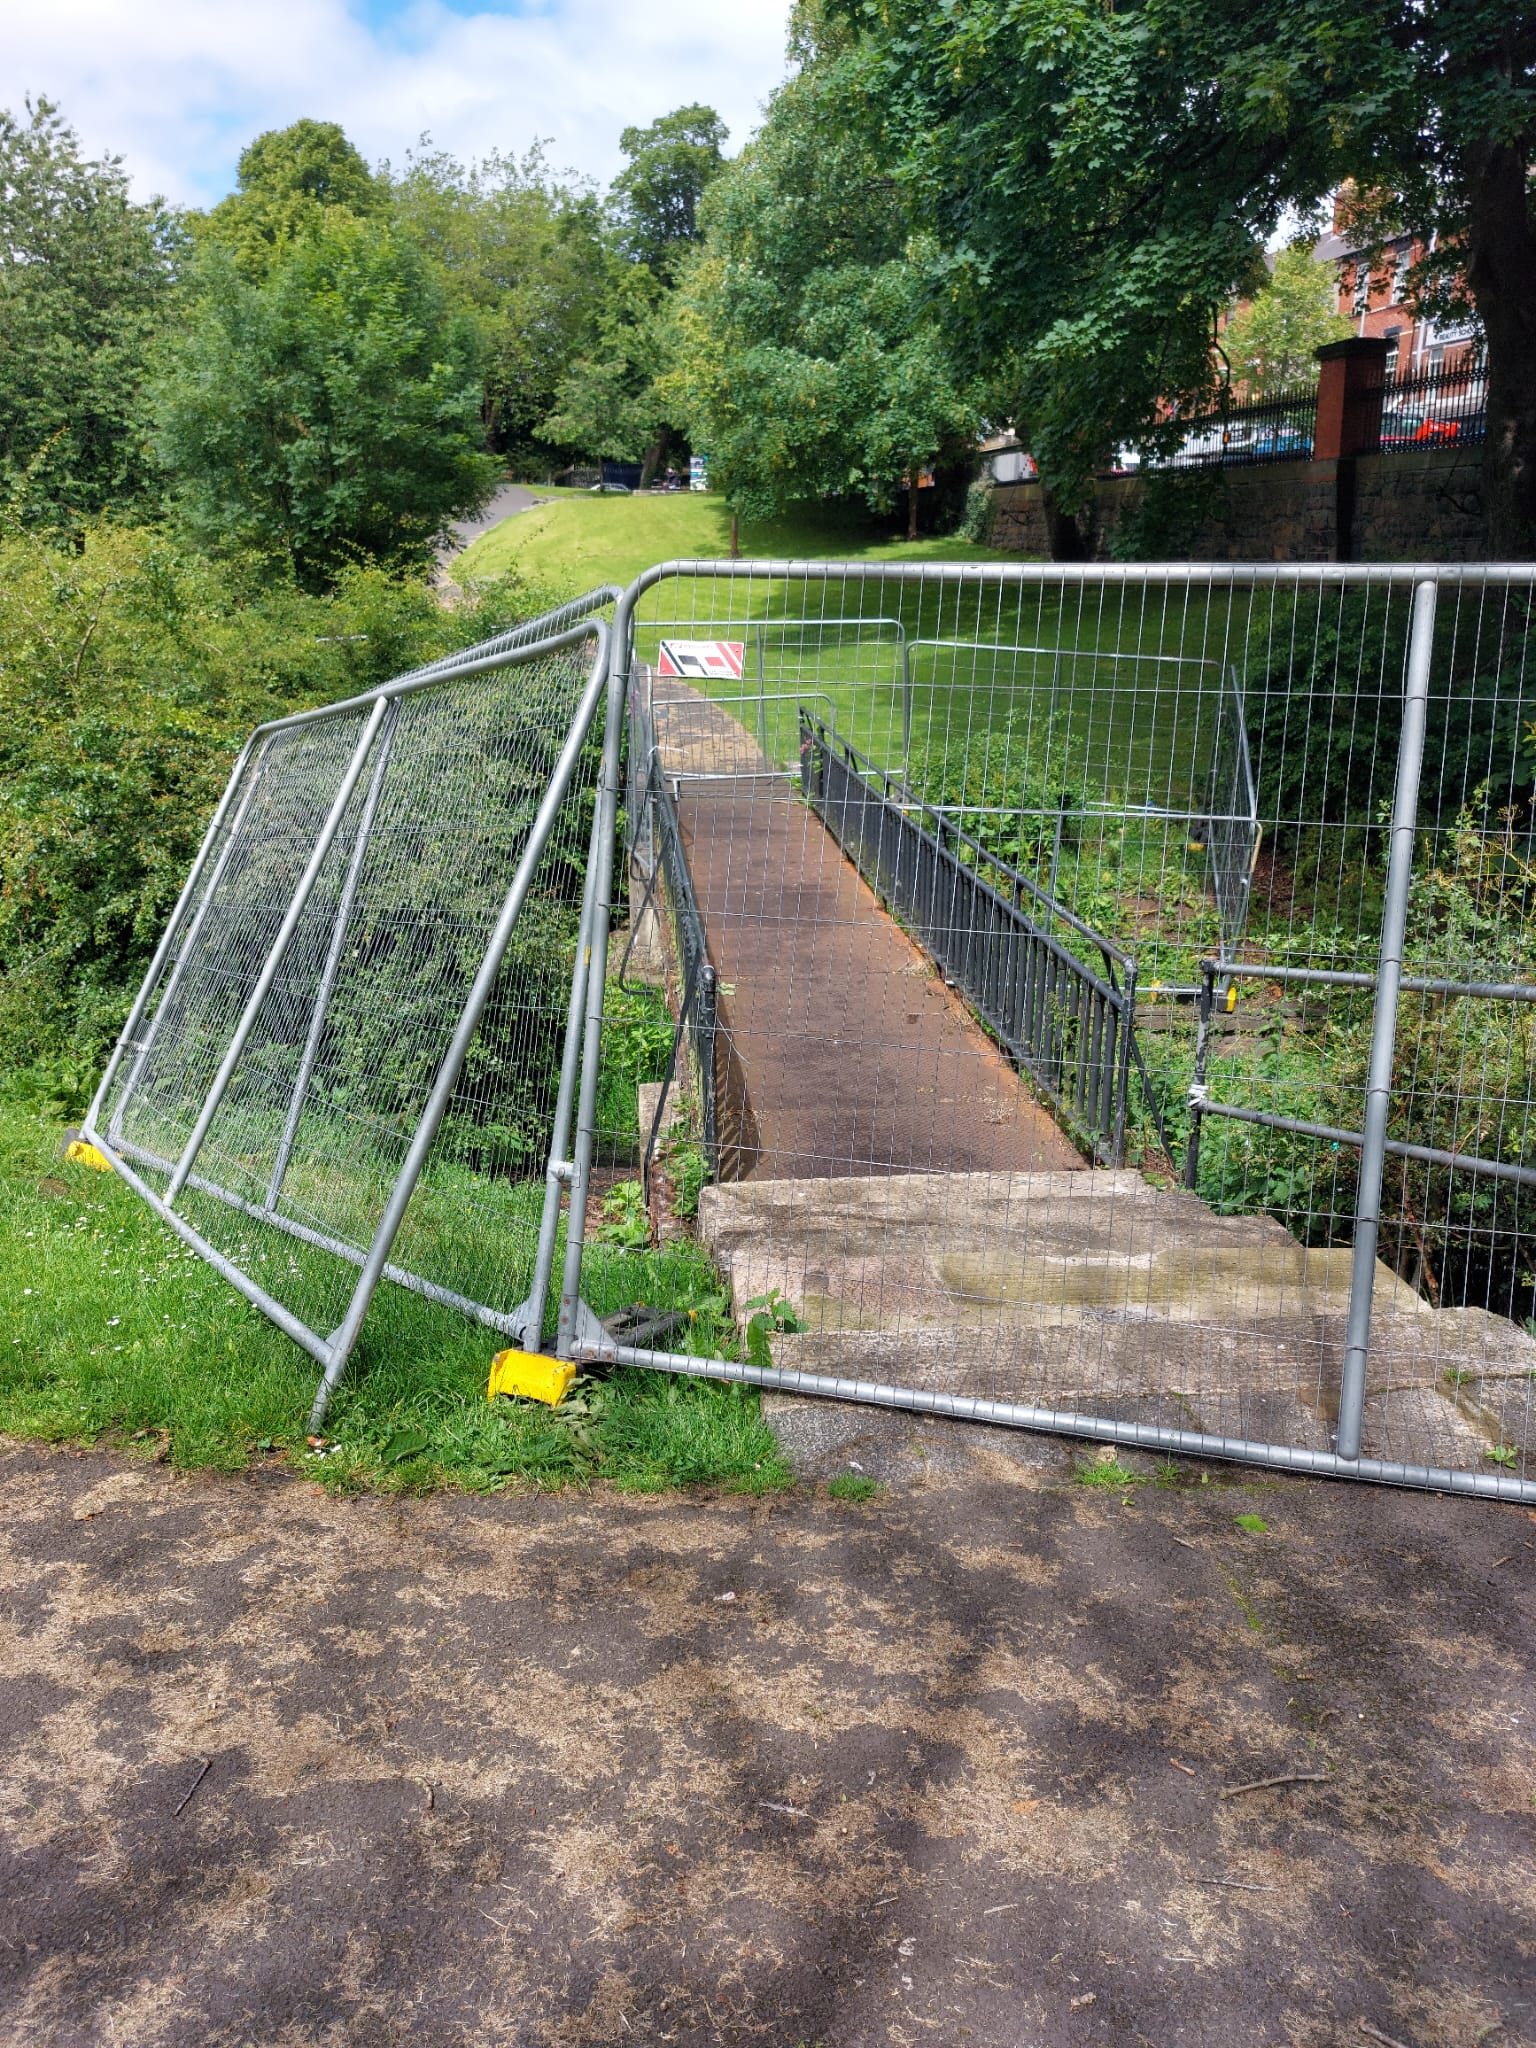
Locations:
column 707, row 658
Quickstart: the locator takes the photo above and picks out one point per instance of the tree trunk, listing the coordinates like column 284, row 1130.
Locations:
column 655, row 456
column 1501, row 271
column 735, row 536
column 912, row 490
column 1063, row 530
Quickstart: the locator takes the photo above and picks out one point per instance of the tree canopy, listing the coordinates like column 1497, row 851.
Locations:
column 286, row 182
column 1273, row 339
column 328, row 412
column 519, row 251
column 807, row 360
column 1102, row 180
column 86, row 279
column 655, row 200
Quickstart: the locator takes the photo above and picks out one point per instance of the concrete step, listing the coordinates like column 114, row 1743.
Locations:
column 1100, row 1293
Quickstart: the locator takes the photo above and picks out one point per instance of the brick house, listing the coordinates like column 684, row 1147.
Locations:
column 1375, row 299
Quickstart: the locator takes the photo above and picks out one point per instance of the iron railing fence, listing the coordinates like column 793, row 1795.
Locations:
column 696, row 996
column 897, row 1218
column 1276, row 428
column 1069, row 1028
column 1446, row 406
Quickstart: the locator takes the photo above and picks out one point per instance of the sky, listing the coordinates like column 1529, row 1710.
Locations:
column 178, row 87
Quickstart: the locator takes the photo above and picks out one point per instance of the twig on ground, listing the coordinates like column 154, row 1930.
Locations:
column 988, row 1910
column 186, row 1796
column 1375, row 2034
column 1237, row 1884
column 1285, row 1778
column 773, row 1806
column 1185, row 1768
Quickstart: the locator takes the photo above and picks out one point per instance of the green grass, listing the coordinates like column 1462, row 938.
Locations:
column 852, row 1486
column 111, row 1330
column 584, row 539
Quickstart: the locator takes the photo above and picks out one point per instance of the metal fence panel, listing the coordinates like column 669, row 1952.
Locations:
column 1215, row 770
column 374, row 959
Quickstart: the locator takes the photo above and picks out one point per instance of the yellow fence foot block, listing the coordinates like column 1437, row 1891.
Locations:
column 84, row 1154
column 534, row 1377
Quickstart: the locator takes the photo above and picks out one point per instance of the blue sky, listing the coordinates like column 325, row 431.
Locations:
column 177, row 87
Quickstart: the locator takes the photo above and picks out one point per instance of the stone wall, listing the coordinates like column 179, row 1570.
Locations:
column 1366, row 508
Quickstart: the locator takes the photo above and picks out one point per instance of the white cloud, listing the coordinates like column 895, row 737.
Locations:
column 177, row 87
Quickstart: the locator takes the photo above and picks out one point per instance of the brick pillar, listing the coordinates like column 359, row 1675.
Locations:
column 1351, row 377
column 1351, row 381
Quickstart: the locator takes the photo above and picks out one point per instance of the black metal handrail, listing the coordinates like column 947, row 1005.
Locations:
column 1071, row 1030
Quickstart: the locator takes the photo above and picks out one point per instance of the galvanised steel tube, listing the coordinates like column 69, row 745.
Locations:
column 407, row 686
column 345, row 1335
column 173, row 981
column 354, row 1255
column 557, row 1173
column 1144, row 1436
column 1172, row 575
column 1389, row 970
column 332, row 960
column 285, row 1320
column 1410, row 984
column 280, row 945
column 606, row 822
column 168, row 936
column 1395, row 1148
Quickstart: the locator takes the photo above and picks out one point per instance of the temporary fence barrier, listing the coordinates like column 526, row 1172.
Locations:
column 361, row 995
column 1275, row 821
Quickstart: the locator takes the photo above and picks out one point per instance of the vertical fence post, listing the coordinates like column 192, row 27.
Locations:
column 604, row 829
column 1197, row 1087
column 708, row 1028
column 1389, row 975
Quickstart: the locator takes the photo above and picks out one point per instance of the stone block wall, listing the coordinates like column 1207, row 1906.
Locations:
column 1367, row 508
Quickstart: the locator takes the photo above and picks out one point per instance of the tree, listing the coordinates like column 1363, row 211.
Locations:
column 807, row 362
column 86, row 282
column 286, row 182
column 655, row 201
column 1273, row 338
column 522, row 254
column 329, row 412
column 1103, row 178
column 607, row 406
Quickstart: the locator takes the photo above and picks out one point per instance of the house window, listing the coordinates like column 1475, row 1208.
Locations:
column 1393, row 338
column 1362, row 285
column 1400, row 274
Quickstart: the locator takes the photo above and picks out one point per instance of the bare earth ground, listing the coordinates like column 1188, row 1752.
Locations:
column 941, row 1768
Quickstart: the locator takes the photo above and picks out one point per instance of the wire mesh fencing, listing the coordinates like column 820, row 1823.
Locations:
column 1124, row 994
column 1098, row 1000
column 346, row 1058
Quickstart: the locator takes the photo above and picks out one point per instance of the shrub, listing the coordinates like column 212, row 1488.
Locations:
column 131, row 672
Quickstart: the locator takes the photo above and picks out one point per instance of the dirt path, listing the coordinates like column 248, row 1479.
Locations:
column 945, row 1768
column 857, row 1058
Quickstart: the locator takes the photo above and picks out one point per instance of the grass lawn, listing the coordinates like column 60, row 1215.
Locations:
column 1131, row 678
column 585, row 539
column 111, row 1329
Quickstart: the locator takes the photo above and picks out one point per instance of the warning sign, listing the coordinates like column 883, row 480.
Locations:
column 709, row 658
